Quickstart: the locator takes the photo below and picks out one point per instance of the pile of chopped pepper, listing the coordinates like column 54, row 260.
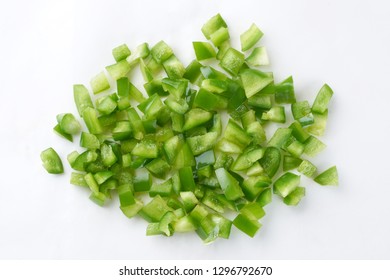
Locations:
column 196, row 143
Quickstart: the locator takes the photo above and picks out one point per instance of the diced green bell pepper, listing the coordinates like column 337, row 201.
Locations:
column 250, row 37
column 285, row 91
column 328, row 178
column 203, row 50
column 271, row 160
column 258, row 57
column 82, row 98
column 254, row 81
column 322, row 100
column 51, row 161
column 229, row 184
column 286, row 184
column 121, row 52
column 295, row 197
column 213, row 25
column 232, row 61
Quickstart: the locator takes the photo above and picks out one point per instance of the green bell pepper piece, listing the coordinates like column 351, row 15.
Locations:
column 247, row 159
column 286, row 184
column 82, row 98
column 300, row 109
column 254, row 170
column 254, row 81
column 210, row 101
column 132, row 210
column 322, row 100
column 203, row 50
column 202, row 143
column 184, row 157
column 189, row 200
column 155, row 86
column 161, row 52
column 229, row 185
column 147, row 148
column 158, row 167
column 307, row 168
column 253, row 186
column 213, row 25
column 98, row 198
column 271, row 161
column 173, row 67
column 295, row 197
column 261, row 101
column 222, row 48
column 296, row 148
column 232, row 61
column 290, row 162
column 77, row 179
column 247, row 225
column 186, row 178
column 176, row 87
column 258, row 57
column 298, row 132
column 280, row 137
column 265, row 197
column 285, row 91
column 57, row 129
column 121, row 52
column 328, row 178
column 126, row 196
column 103, row 176
column 91, row 120
column 68, row 123
column 51, row 161
column 135, row 93
column 119, row 69
column 164, row 189
column 220, row 36
column 275, row 114
column 172, row 147
column 319, row 125
column 142, row 180
column 196, row 117
column 250, row 37
column 193, row 73
column 99, row 83
column 155, row 209
column 313, row 146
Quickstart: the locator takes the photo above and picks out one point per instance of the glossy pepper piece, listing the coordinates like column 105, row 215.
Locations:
column 322, row 100
column 285, row 91
column 232, row 61
column 213, row 25
column 329, row 177
column 229, row 184
column 271, row 160
column 295, row 196
column 250, row 37
column 82, row 98
column 99, row 83
column 254, row 81
column 161, row 52
column 203, row 50
column 258, row 57
column 121, row 52
column 51, row 161
column 286, row 184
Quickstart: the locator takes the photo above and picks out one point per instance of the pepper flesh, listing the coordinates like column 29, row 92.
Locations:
column 51, row 161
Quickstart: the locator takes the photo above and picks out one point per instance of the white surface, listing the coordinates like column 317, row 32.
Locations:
column 47, row 46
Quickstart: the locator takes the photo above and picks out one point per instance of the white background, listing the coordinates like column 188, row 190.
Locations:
column 47, row 46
